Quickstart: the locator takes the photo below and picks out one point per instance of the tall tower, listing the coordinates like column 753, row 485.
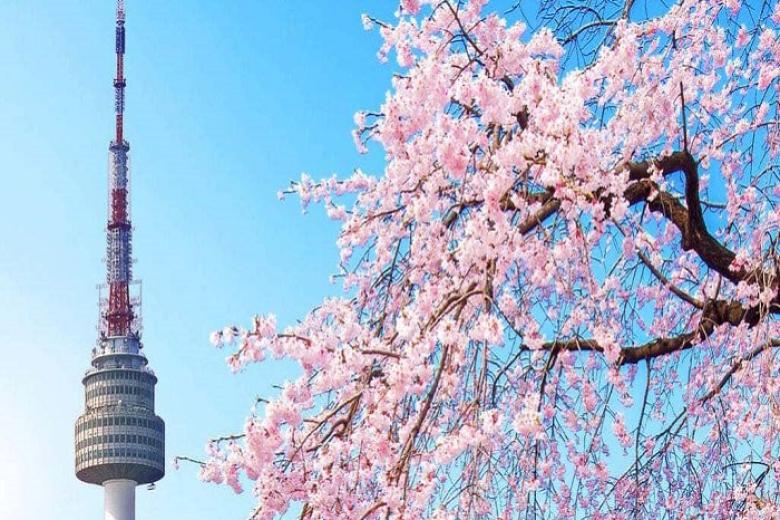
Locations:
column 120, row 442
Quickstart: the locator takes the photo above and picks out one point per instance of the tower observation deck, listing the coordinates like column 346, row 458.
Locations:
column 120, row 441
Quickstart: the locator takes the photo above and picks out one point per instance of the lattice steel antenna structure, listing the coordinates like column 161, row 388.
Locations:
column 120, row 441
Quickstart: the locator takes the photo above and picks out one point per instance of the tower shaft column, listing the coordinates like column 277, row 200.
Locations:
column 120, row 499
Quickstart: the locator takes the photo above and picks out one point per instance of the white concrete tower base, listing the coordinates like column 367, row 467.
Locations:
column 120, row 499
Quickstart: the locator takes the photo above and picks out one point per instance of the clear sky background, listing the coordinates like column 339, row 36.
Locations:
column 226, row 102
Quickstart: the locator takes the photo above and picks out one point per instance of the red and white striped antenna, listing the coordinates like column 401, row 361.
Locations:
column 119, row 313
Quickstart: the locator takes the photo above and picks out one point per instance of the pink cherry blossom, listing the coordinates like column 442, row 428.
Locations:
column 560, row 295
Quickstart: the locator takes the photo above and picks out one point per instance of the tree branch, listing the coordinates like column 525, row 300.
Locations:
column 716, row 312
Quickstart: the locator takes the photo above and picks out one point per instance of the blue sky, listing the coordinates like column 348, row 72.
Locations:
column 227, row 101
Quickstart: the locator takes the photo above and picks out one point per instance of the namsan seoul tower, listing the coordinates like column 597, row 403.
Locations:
column 120, row 442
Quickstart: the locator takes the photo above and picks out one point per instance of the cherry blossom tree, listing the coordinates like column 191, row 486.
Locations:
column 561, row 295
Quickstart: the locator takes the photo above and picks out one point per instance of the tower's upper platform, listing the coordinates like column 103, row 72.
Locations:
column 119, row 436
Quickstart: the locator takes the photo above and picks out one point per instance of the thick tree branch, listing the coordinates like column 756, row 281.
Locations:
column 716, row 312
column 688, row 220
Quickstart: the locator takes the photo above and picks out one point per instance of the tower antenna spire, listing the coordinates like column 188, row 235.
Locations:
column 119, row 81
column 119, row 314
